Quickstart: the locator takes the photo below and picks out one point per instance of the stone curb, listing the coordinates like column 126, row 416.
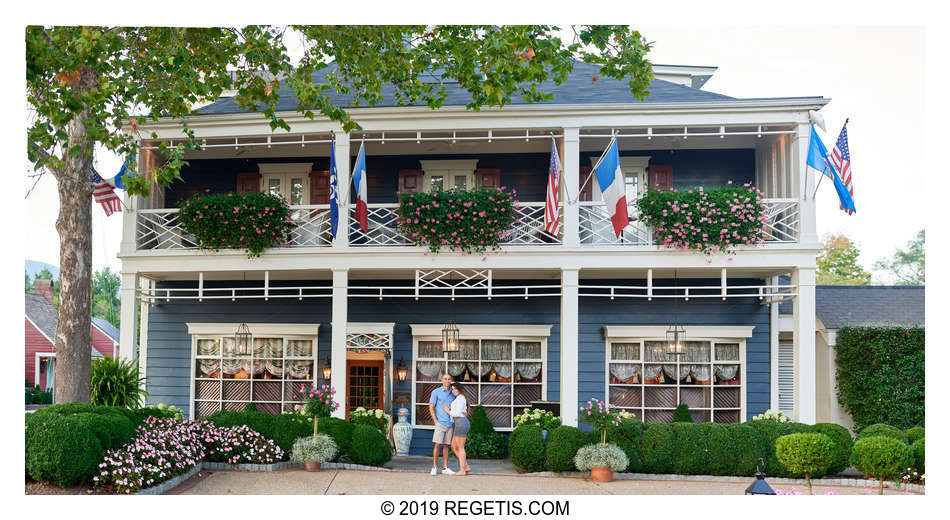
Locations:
column 223, row 466
column 171, row 483
column 850, row 482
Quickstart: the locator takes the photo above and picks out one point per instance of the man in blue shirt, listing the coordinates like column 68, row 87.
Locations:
column 441, row 396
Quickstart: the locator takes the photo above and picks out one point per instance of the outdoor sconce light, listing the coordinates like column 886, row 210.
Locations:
column 326, row 368
column 674, row 344
column 242, row 340
column 402, row 370
column 759, row 486
column 450, row 337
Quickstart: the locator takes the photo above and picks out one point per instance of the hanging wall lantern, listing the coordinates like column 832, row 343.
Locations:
column 402, row 371
column 674, row 338
column 326, row 368
column 242, row 340
column 450, row 337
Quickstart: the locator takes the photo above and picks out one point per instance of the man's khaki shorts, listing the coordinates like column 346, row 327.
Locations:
column 442, row 434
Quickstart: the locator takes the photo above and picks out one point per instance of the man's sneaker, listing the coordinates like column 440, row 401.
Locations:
column 447, row 471
column 434, row 471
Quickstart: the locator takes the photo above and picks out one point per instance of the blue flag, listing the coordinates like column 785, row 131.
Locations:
column 818, row 159
column 334, row 207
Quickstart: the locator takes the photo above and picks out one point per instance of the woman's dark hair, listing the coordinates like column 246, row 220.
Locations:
column 468, row 405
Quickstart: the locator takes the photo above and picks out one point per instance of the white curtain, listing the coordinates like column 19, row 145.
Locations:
column 430, row 368
column 656, row 351
column 456, row 369
column 207, row 347
column 274, row 368
column 697, row 351
column 700, row 373
column 528, row 370
column 625, row 351
column 503, row 369
column 727, row 371
column 233, row 366
column 651, row 371
column 528, row 350
column 670, row 372
column 727, row 352
column 299, row 347
column 496, row 349
column 624, row 371
column 209, row 367
column 299, row 369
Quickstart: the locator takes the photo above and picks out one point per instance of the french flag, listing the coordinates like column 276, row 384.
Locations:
column 610, row 180
column 359, row 182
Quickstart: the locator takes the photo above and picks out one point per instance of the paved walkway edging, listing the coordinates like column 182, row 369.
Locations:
column 171, row 483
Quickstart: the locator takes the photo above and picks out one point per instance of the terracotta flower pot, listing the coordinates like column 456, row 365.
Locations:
column 311, row 465
column 602, row 474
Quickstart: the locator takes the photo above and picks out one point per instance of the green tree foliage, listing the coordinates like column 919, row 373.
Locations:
column 86, row 83
column 562, row 446
column 526, row 445
column 880, row 375
column 907, row 266
column 843, row 442
column 681, row 414
column 116, row 382
column 29, row 283
column 45, row 274
column 808, row 453
column 882, row 458
column 105, row 295
column 838, row 263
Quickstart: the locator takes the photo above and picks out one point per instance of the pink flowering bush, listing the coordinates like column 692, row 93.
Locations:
column 165, row 448
column 470, row 221
column 707, row 220
column 253, row 221
column 601, row 416
column 317, row 403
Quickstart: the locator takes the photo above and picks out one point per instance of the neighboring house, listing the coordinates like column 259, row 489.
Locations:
column 40, row 336
column 837, row 306
column 560, row 319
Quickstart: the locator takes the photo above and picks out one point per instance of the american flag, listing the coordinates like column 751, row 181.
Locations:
column 551, row 203
column 103, row 193
column 840, row 157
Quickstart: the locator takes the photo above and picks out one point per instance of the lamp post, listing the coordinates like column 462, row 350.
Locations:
column 759, row 486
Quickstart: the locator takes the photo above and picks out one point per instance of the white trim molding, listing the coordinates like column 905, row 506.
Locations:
column 484, row 331
column 370, row 328
column 292, row 168
column 692, row 331
column 257, row 329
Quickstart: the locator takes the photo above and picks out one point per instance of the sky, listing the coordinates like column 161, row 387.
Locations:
column 845, row 64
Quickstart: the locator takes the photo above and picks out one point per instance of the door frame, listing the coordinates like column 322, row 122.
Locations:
column 285, row 172
column 381, row 363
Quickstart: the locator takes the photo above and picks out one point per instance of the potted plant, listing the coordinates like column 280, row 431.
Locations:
column 318, row 403
column 601, row 460
column 313, row 451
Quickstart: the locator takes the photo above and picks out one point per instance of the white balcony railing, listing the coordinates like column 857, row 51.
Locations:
column 783, row 225
column 160, row 229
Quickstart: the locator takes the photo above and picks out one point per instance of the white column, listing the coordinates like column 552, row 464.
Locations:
column 127, row 314
column 344, row 185
column 338, row 339
column 143, row 328
column 129, row 216
column 569, row 347
column 774, row 326
column 571, row 165
column 805, row 184
column 803, row 314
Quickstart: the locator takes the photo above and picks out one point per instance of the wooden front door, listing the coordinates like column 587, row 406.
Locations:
column 364, row 385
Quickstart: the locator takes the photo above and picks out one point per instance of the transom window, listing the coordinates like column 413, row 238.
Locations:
column 270, row 376
column 644, row 378
column 503, row 375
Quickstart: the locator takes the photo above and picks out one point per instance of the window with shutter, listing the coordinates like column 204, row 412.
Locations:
column 786, row 377
column 248, row 182
column 320, row 187
column 661, row 176
column 488, row 177
column 410, row 180
column 586, row 190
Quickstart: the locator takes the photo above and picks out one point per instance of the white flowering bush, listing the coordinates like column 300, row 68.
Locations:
column 772, row 415
column 545, row 419
column 599, row 456
column 167, row 410
column 165, row 448
column 321, row 449
column 376, row 418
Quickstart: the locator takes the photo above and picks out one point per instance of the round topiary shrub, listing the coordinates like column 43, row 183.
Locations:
column 806, row 453
column 842, row 439
column 60, row 449
column 681, row 414
column 369, row 447
column 721, row 456
column 689, row 449
column 99, row 425
column 915, row 434
column 918, row 448
column 340, row 430
column 882, row 430
column 526, row 445
column 749, row 448
column 485, row 446
column 881, row 457
column 657, row 443
column 562, row 445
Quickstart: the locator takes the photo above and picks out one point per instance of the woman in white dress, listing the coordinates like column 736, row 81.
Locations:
column 459, row 413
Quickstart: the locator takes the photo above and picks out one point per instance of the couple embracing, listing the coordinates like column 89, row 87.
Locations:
column 450, row 409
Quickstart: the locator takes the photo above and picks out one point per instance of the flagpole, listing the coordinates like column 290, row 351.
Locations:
column 592, row 170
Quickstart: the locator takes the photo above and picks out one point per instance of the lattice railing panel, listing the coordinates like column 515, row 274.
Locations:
column 528, row 228
column 161, row 229
column 311, row 226
column 597, row 229
column 783, row 220
column 382, row 228
column 453, row 278
column 367, row 341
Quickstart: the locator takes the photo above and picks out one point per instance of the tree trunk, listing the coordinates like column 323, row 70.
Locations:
column 315, row 421
column 74, row 225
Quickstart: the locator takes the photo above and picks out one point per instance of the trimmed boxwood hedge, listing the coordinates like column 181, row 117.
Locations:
column 750, row 446
column 880, row 374
column 882, row 430
column 526, row 445
column 915, row 434
column 918, row 448
column 721, row 456
column 340, row 430
column 628, row 437
column 561, row 447
column 369, row 446
column 61, row 449
column 657, row 442
column 842, row 439
column 689, row 448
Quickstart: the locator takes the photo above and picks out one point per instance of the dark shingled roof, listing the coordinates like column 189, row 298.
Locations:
column 577, row 90
column 840, row 305
column 42, row 314
column 107, row 328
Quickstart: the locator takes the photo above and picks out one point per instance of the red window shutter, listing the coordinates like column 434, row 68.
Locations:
column 410, row 180
column 586, row 190
column 248, row 182
column 320, row 187
column 660, row 176
column 488, row 177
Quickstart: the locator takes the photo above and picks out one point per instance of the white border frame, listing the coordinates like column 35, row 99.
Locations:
column 428, row 332
column 692, row 336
